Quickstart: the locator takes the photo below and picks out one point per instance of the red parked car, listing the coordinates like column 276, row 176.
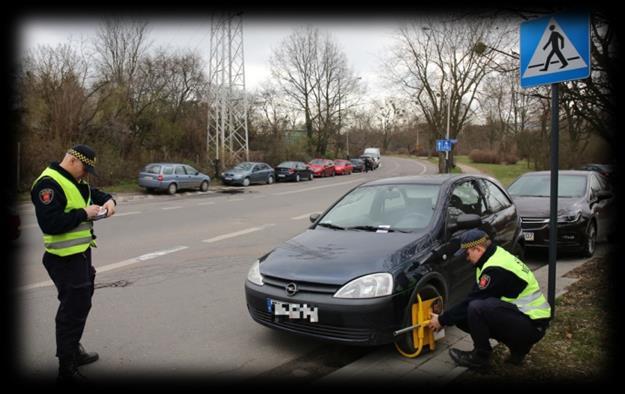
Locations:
column 322, row 167
column 343, row 167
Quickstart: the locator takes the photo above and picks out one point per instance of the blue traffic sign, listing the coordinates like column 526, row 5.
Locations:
column 555, row 48
column 443, row 145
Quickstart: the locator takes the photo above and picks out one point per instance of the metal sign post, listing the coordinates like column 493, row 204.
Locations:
column 554, row 49
column 553, row 199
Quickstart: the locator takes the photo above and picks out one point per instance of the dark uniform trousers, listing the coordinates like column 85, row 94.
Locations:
column 494, row 318
column 74, row 278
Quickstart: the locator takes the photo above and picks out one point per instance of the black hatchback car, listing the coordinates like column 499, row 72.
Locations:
column 586, row 210
column 293, row 171
column 352, row 276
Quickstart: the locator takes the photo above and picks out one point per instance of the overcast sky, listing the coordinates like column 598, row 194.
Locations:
column 364, row 41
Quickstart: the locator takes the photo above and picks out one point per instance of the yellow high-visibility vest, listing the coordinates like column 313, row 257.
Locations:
column 78, row 239
column 531, row 300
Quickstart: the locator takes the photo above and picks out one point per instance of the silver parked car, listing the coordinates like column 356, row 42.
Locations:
column 172, row 177
column 248, row 172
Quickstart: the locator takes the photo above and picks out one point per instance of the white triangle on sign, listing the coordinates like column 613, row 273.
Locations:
column 545, row 50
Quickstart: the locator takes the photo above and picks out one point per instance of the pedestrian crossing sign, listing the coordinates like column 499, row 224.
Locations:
column 555, row 48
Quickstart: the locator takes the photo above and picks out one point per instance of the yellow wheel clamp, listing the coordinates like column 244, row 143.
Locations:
column 421, row 334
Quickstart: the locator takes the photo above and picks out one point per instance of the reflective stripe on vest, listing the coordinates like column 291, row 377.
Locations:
column 531, row 300
column 79, row 238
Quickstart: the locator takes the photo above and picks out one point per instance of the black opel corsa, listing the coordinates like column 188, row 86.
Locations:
column 352, row 276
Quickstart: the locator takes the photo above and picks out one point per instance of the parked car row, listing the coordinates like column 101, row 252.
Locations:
column 172, row 177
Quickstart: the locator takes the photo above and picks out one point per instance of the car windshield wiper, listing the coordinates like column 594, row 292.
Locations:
column 365, row 228
column 332, row 226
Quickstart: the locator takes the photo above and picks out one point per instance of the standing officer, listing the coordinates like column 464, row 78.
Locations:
column 505, row 304
column 66, row 206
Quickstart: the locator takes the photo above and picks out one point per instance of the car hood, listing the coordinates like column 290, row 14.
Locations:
column 539, row 206
column 335, row 257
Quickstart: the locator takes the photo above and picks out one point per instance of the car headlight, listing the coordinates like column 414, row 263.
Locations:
column 370, row 286
column 253, row 275
column 571, row 218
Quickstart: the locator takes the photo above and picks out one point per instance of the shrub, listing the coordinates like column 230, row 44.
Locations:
column 484, row 156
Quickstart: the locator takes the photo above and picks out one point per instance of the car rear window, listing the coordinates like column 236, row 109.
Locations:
column 153, row 169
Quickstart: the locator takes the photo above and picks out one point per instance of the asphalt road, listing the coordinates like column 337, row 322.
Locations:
column 169, row 290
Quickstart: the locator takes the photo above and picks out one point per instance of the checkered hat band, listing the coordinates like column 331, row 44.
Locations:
column 82, row 157
column 473, row 243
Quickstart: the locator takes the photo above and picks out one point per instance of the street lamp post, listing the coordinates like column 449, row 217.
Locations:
column 447, row 135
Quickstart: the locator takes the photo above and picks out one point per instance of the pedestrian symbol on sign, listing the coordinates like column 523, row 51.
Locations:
column 555, row 49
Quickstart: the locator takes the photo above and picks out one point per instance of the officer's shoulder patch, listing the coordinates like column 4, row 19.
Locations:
column 484, row 281
column 46, row 195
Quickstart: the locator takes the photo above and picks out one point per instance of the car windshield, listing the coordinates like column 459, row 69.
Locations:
column 540, row 185
column 318, row 162
column 246, row 166
column 287, row 164
column 153, row 169
column 384, row 207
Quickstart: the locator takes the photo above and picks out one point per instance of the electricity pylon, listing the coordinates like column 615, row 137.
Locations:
column 227, row 136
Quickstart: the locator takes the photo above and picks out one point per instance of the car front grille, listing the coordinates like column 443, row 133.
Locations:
column 302, row 287
column 532, row 223
column 315, row 329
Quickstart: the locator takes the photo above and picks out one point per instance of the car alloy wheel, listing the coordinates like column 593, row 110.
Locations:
column 204, row 186
column 246, row 182
column 297, row 178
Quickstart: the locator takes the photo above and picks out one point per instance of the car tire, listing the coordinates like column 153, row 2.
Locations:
column 204, row 186
column 405, row 342
column 246, row 182
column 311, row 177
column 590, row 244
column 172, row 188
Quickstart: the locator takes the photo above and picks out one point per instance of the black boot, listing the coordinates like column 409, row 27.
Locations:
column 472, row 359
column 69, row 374
column 515, row 358
column 82, row 357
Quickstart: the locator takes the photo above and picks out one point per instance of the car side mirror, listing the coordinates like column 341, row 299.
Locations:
column 313, row 218
column 604, row 195
column 466, row 221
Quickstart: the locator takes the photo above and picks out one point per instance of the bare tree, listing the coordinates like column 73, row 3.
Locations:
column 292, row 64
column 436, row 65
column 313, row 72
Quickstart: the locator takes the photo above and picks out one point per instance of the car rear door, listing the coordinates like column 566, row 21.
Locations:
column 181, row 177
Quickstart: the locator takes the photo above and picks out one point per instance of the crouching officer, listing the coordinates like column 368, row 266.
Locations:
column 506, row 304
column 65, row 206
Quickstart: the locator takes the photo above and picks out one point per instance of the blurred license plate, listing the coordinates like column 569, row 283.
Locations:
column 293, row 311
column 528, row 236
column 228, row 178
column 281, row 175
column 147, row 177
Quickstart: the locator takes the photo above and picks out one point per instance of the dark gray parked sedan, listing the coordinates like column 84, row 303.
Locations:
column 172, row 177
column 247, row 173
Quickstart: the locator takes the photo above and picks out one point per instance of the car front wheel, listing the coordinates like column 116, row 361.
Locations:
column 204, row 186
